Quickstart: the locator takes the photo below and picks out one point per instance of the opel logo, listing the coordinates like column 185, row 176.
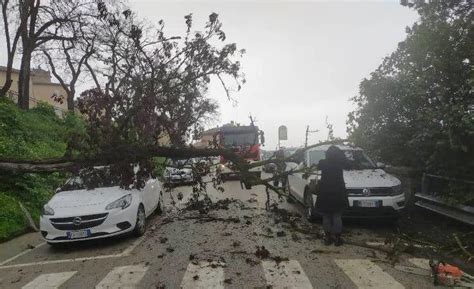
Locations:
column 77, row 221
column 366, row 192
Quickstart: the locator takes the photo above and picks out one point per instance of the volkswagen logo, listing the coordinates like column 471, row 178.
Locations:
column 77, row 221
column 366, row 192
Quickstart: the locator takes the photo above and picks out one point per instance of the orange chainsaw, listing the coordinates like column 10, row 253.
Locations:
column 442, row 274
column 449, row 275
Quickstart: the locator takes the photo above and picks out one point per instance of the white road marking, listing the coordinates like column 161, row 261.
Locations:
column 132, row 247
column 123, row 277
column 287, row 274
column 49, row 281
column 375, row 244
column 125, row 253
column 21, row 254
column 366, row 274
column 204, row 275
column 59, row 261
column 420, row 263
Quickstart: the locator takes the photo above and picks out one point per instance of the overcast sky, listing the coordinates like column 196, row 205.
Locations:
column 304, row 60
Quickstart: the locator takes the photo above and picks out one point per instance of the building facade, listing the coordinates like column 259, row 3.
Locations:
column 41, row 89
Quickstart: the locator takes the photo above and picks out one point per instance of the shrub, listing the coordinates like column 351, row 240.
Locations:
column 35, row 134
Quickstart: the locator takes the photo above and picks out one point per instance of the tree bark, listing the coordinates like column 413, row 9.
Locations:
column 6, row 86
column 70, row 100
column 24, row 80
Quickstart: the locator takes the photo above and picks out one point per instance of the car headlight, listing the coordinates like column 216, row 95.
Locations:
column 123, row 202
column 397, row 190
column 47, row 211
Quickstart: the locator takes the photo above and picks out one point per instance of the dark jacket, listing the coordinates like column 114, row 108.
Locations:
column 332, row 195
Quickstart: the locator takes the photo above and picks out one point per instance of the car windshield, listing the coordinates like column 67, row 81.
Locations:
column 90, row 180
column 357, row 159
column 240, row 139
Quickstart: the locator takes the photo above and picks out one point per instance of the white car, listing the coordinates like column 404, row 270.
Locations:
column 178, row 176
column 75, row 213
column 372, row 192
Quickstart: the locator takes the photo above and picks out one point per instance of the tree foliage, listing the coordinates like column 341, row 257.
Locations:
column 149, row 87
column 417, row 108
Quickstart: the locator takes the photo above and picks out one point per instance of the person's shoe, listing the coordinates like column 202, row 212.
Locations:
column 327, row 239
column 338, row 240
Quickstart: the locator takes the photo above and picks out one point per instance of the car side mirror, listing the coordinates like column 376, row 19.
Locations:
column 380, row 165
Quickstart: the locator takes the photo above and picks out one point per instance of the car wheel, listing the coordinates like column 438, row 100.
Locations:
column 140, row 225
column 309, row 205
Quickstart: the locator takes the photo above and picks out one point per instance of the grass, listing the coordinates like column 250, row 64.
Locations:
column 35, row 134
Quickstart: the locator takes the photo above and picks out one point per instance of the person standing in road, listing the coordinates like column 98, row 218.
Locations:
column 332, row 196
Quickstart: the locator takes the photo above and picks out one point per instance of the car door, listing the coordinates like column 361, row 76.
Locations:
column 300, row 182
column 296, row 180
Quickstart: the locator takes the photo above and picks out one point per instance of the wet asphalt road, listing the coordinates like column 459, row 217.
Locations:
column 215, row 250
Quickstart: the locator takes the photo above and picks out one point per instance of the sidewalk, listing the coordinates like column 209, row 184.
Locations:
column 19, row 244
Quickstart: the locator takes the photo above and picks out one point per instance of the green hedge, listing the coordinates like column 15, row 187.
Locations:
column 35, row 134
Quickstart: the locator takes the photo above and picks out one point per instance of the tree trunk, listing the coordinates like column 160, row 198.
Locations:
column 6, row 86
column 8, row 78
column 70, row 100
column 24, row 80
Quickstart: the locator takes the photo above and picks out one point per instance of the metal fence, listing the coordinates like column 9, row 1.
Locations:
column 447, row 196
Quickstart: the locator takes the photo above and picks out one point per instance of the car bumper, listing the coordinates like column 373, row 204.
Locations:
column 389, row 207
column 372, row 213
column 117, row 222
column 225, row 170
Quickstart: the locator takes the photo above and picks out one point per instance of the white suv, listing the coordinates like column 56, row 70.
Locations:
column 372, row 192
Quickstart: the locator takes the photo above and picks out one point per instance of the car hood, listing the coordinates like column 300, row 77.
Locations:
column 98, row 197
column 375, row 178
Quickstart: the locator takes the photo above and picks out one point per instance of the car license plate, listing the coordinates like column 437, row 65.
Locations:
column 78, row 234
column 368, row 203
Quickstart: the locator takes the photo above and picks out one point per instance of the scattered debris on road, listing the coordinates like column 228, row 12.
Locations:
column 262, row 252
column 163, row 240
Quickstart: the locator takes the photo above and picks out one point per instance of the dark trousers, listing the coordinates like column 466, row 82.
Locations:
column 332, row 222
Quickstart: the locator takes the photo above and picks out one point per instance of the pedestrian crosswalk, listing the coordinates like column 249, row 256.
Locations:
column 126, row 276
column 204, row 275
column 362, row 273
column 285, row 275
column 49, row 281
column 366, row 274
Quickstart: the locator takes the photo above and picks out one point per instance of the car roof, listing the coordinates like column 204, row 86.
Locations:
column 342, row 147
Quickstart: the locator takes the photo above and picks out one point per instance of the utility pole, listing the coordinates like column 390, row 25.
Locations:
column 307, row 133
